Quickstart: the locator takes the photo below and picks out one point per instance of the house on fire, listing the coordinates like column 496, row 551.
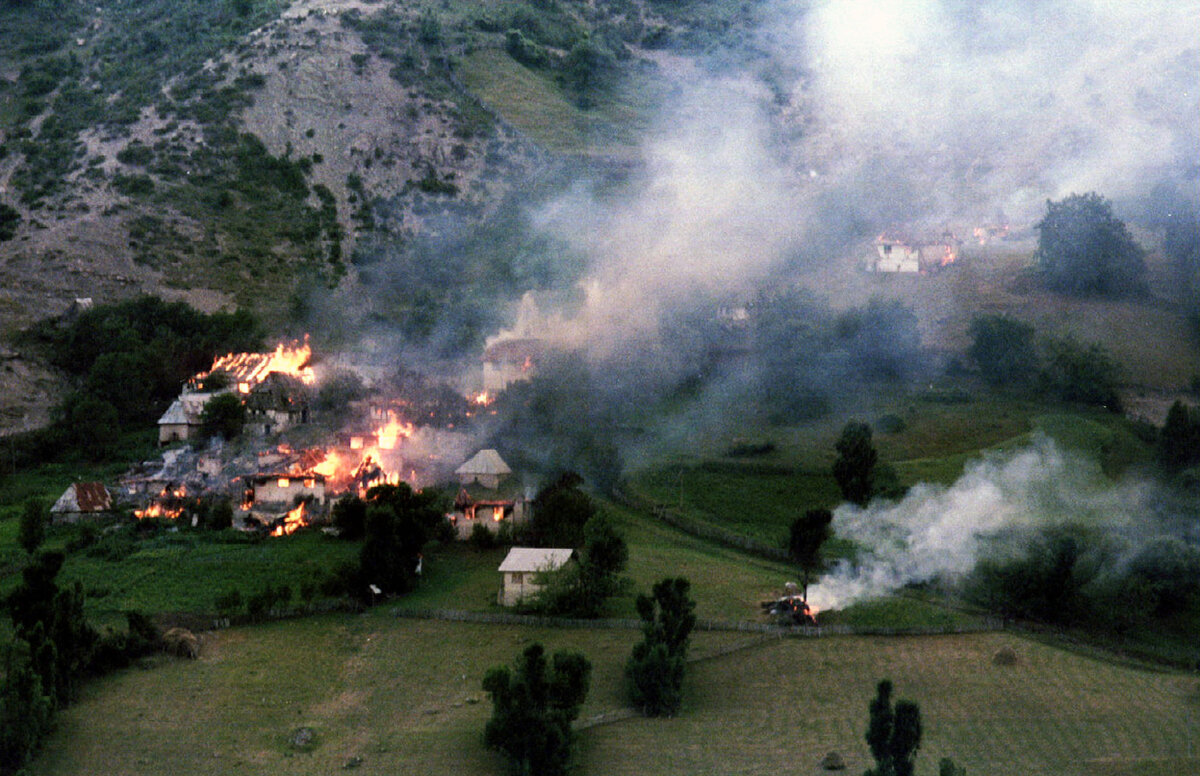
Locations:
column 284, row 489
column 511, row 360
column 522, row 569
column 473, row 507
column 484, row 498
column 896, row 251
column 277, row 403
column 81, row 500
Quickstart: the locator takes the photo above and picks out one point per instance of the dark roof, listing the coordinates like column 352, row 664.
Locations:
column 278, row 391
column 92, row 497
column 514, row 350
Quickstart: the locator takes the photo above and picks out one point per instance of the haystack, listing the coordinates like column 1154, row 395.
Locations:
column 833, row 762
column 181, row 642
column 1005, row 656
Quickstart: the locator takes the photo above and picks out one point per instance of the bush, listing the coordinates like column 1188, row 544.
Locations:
column 1003, row 349
column 482, row 537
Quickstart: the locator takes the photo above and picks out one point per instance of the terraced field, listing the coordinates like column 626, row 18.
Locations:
column 405, row 696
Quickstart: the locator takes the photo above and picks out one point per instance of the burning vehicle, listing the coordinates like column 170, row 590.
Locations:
column 790, row 608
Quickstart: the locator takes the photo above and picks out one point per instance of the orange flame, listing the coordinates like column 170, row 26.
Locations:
column 249, row 369
column 292, row 522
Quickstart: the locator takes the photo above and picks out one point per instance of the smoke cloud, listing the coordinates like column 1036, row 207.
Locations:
column 941, row 532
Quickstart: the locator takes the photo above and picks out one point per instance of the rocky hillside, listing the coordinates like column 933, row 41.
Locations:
column 243, row 152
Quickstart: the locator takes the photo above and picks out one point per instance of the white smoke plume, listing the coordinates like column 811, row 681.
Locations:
column 939, row 532
column 868, row 113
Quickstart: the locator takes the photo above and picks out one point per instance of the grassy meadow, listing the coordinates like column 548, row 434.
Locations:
column 404, row 695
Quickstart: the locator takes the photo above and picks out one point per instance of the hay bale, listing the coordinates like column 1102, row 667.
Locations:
column 181, row 642
column 1005, row 656
column 833, row 762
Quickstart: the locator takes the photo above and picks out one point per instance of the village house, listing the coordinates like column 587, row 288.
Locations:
column 485, row 467
column 182, row 421
column 284, row 489
column 524, row 569
column 81, row 500
column 899, row 252
column 491, row 510
column 277, row 403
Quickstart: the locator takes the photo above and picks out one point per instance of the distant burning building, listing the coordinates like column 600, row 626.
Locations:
column 284, row 488
column 510, row 360
column 897, row 251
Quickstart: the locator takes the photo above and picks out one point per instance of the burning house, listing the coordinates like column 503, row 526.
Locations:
column 523, row 568
column 897, row 251
column 490, row 510
column 282, row 489
column 510, row 360
column 276, row 404
column 241, row 372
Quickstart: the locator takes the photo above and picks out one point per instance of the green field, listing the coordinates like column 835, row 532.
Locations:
column 405, row 696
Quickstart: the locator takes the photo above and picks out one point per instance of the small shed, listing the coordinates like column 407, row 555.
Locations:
column 486, row 467
column 521, row 568
column 81, row 499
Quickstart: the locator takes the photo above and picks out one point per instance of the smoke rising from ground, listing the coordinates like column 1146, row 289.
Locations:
column 941, row 532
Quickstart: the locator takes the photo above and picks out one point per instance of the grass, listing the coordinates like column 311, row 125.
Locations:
column 405, row 696
column 535, row 103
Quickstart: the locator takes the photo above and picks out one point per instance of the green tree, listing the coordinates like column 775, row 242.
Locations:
column 656, row 667
column 1179, row 439
column 588, row 69
column 560, row 512
column 32, row 531
column 398, row 523
column 25, row 709
column 223, row 416
column 582, row 589
column 1084, row 249
column 51, row 620
column 1004, row 349
column 533, row 707
column 10, row 219
column 805, row 537
column 893, row 734
column 854, row 467
column 220, row 516
column 349, row 516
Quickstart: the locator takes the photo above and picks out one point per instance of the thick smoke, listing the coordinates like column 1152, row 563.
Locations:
column 863, row 114
column 998, row 104
column 941, row 532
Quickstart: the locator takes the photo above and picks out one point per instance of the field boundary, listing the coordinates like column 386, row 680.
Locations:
column 698, row 528
column 802, row 631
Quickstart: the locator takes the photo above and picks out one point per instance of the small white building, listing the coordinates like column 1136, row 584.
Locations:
column 485, row 467
column 900, row 252
column 181, row 421
column 522, row 568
